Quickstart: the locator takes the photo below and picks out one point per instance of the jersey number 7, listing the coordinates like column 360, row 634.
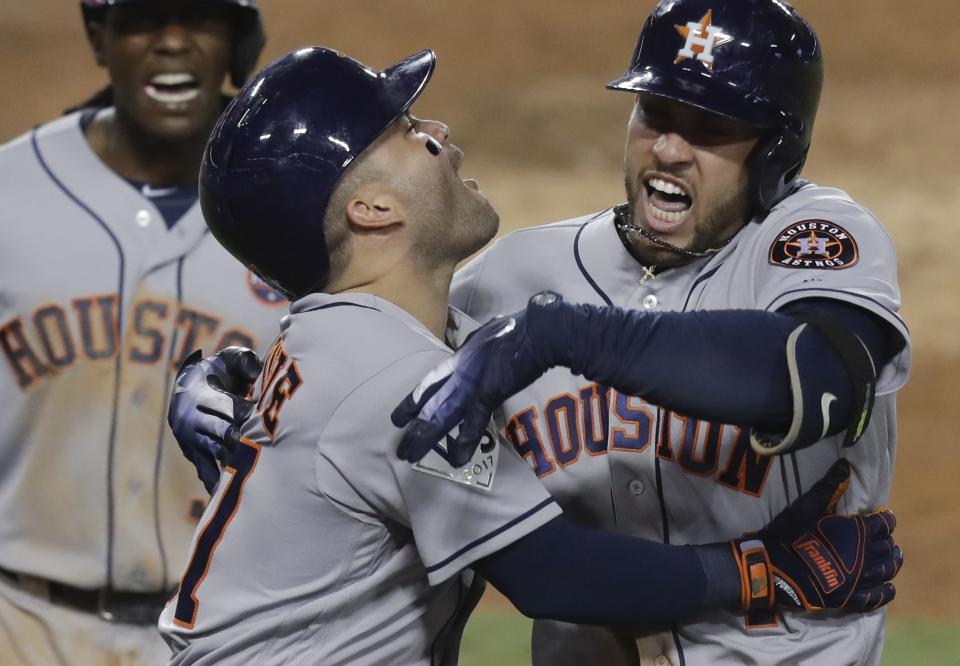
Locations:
column 243, row 460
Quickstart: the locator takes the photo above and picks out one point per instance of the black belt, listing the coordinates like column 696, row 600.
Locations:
column 111, row 605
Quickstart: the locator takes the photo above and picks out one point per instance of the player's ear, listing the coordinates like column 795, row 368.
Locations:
column 374, row 209
column 95, row 37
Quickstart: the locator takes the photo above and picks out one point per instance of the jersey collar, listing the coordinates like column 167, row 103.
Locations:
column 459, row 325
column 607, row 264
column 615, row 274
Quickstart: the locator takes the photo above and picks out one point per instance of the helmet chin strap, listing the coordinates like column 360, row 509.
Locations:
column 623, row 219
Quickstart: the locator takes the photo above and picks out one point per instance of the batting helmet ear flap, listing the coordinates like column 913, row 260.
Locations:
column 251, row 39
column 773, row 166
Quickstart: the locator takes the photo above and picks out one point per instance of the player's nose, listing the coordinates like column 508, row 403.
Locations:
column 672, row 148
column 172, row 36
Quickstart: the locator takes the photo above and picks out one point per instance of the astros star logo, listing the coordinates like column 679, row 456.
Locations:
column 702, row 38
column 820, row 244
column 823, row 246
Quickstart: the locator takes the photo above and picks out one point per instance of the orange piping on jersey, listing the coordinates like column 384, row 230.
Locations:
column 741, row 455
column 685, row 457
column 551, row 414
column 158, row 354
column 99, row 299
column 226, row 524
column 665, row 437
column 643, row 408
column 70, row 337
column 514, row 427
column 588, row 401
column 283, row 389
column 276, row 359
column 14, row 329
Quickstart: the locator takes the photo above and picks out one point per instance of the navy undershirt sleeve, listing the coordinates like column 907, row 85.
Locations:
column 727, row 366
column 564, row 572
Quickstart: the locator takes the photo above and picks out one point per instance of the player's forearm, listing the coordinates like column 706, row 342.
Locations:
column 567, row 573
column 728, row 366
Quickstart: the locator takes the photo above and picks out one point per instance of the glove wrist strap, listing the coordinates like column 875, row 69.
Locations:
column 756, row 575
column 758, row 593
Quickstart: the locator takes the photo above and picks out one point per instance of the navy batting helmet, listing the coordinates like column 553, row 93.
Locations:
column 756, row 61
column 281, row 146
column 250, row 35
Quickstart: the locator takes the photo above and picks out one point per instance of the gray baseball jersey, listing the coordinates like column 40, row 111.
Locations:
column 339, row 552
column 617, row 462
column 99, row 301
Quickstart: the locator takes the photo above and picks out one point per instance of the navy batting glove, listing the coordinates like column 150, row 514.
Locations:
column 816, row 560
column 208, row 405
column 502, row 357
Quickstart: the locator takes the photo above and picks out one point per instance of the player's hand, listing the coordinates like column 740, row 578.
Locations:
column 208, row 405
column 497, row 360
column 819, row 560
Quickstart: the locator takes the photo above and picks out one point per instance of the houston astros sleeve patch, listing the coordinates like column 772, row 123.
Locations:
column 814, row 244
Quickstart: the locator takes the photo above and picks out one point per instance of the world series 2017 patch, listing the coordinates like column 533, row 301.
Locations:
column 479, row 472
column 814, row 244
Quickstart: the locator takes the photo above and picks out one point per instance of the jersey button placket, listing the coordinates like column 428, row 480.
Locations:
column 636, row 487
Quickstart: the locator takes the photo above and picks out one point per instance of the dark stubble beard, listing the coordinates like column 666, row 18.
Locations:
column 710, row 232
column 458, row 227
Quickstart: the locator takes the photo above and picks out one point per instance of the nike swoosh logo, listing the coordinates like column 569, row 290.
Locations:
column 825, row 401
column 159, row 192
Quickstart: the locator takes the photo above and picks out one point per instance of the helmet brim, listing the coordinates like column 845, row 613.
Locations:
column 406, row 80
column 703, row 91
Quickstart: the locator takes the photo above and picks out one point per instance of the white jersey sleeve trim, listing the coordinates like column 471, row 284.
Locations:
column 490, row 543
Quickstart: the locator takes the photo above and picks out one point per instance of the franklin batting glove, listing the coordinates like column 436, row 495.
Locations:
column 808, row 559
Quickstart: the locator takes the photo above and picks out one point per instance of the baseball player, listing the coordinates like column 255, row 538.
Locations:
column 110, row 278
column 759, row 315
column 319, row 545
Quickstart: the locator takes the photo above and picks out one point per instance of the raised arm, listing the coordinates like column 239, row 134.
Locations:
column 794, row 376
column 806, row 558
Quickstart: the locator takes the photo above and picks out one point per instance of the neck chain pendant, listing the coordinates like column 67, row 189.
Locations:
column 649, row 273
column 625, row 225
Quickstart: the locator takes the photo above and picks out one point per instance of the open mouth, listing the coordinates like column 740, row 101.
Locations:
column 173, row 88
column 456, row 161
column 668, row 203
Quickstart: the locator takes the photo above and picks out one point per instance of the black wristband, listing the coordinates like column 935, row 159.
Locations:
column 724, row 589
